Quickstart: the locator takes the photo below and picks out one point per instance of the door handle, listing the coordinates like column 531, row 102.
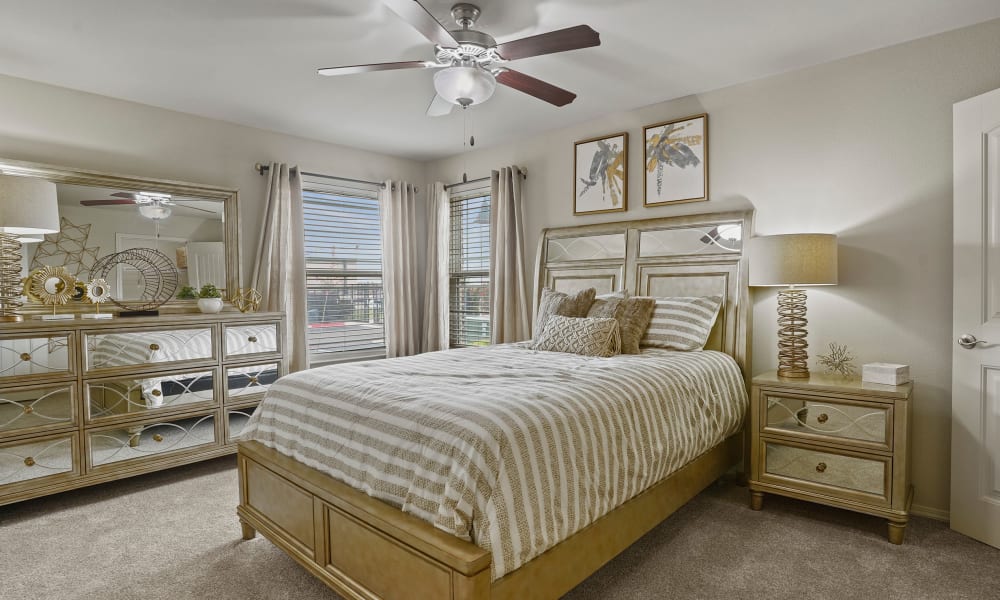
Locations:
column 969, row 341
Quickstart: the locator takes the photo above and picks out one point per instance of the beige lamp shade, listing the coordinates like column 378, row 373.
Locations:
column 793, row 259
column 28, row 206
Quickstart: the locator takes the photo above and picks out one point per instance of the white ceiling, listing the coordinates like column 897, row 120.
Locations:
column 253, row 61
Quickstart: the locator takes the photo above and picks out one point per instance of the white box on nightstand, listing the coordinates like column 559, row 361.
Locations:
column 887, row 373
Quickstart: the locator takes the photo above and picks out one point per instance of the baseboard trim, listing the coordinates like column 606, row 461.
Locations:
column 930, row 512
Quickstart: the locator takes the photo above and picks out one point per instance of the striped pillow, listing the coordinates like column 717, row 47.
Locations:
column 682, row 323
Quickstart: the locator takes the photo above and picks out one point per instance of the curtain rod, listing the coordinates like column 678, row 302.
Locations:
column 521, row 171
column 264, row 168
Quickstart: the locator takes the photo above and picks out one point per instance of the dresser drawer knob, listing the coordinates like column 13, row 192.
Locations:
column 28, row 410
column 823, row 418
column 252, row 339
column 29, row 462
column 25, row 356
column 156, row 393
column 157, row 437
column 154, row 347
column 253, row 379
column 821, row 467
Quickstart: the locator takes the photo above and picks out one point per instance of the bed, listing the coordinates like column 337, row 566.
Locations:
column 555, row 513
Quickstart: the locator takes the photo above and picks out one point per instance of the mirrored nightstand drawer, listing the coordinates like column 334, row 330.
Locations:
column 116, row 444
column 237, row 420
column 33, row 357
column 112, row 398
column 37, row 461
column 244, row 383
column 835, row 420
column 843, row 475
column 37, row 409
column 148, row 348
column 243, row 340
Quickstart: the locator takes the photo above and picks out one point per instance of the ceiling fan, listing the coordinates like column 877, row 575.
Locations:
column 471, row 62
column 152, row 205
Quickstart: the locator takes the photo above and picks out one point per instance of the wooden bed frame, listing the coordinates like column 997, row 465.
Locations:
column 366, row 549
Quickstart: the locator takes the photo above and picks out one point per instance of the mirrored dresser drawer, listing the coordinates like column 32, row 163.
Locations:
column 250, row 382
column 237, row 420
column 36, row 462
column 247, row 340
column 35, row 357
column 828, row 472
column 37, row 409
column 109, row 446
column 135, row 397
column 856, row 423
column 148, row 348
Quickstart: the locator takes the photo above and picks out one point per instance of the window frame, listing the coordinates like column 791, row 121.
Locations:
column 312, row 185
column 456, row 195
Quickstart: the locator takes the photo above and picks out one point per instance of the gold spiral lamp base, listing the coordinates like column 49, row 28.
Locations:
column 792, row 356
column 10, row 278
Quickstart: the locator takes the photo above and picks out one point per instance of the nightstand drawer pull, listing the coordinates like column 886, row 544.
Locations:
column 821, row 467
column 823, row 418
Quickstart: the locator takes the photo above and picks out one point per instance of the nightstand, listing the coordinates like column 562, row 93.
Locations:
column 835, row 441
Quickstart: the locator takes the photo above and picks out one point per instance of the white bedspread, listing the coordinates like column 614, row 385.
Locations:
column 511, row 448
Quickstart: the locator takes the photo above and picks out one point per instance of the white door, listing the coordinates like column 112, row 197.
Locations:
column 975, row 405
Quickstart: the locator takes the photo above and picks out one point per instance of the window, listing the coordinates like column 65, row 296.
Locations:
column 469, row 269
column 343, row 246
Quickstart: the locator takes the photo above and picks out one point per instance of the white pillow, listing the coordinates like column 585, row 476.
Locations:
column 682, row 323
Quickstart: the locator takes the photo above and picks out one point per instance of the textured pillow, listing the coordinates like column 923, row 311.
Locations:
column 558, row 303
column 633, row 322
column 682, row 323
column 584, row 336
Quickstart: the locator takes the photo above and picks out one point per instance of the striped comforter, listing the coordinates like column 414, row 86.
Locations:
column 505, row 446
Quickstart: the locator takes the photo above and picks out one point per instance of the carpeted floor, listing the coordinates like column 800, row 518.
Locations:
column 174, row 536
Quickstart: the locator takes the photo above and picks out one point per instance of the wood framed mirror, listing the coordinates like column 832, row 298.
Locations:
column 196, row 225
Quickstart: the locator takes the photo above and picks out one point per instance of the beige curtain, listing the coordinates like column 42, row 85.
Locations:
column 279, row 272
column 400, row 270
column 509, row 306
column 435, row 306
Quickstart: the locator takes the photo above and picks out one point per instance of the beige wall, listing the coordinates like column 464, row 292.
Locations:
column 860, row 147
column 48, row 124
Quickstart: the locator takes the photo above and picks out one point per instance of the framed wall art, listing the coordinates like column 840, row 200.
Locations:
column 676, row 161
column 600, row 175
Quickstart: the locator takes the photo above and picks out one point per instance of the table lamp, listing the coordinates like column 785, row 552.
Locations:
column 28, row 209
column 792, row 260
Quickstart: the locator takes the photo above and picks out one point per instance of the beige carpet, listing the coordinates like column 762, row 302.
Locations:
column 174, row 536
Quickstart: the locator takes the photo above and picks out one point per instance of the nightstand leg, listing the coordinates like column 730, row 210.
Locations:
column 248, row 532
column 756, row 500
column 896, row 531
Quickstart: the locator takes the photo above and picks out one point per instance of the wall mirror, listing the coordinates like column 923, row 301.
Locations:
column 195, row 226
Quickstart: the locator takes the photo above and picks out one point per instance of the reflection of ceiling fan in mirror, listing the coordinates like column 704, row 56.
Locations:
column 152, row 205
column 471, row 62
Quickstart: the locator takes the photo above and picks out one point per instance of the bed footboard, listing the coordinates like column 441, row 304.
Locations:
column 359, row 546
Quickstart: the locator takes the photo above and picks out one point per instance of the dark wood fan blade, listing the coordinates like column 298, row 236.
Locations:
column 535, row 87
column 105, row 202
column 352, row 69
column 416, row 15
column 123, row 195
column 572, row 38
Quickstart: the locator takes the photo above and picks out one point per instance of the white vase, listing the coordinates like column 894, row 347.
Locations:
column 210, row 305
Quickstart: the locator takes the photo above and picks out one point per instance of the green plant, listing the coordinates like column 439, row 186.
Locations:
column 209, row 291
column 187, row 293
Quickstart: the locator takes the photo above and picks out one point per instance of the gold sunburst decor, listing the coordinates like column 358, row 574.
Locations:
column 98, row 292
column 246, row 300
column 53, row 286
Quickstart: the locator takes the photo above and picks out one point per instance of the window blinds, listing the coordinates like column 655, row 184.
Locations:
column 469, row 269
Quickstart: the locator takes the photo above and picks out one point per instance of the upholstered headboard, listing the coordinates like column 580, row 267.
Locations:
column 694, row 255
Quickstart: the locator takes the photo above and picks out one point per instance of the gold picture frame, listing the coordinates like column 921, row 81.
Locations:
column 675, row 165
column 604, row 160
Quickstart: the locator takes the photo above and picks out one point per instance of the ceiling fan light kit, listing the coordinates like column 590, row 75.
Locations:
column 471, row 62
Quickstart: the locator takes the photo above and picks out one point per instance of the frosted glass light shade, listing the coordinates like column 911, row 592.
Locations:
column 793, row 259
column 154, row 211
column 28, row 206
column 465, row 86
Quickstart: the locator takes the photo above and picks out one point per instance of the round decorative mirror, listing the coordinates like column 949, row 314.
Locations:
column 52, row 285
column 97, row 291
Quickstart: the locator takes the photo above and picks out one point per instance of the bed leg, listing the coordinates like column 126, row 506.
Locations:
column 756, row 500
column 248, row 532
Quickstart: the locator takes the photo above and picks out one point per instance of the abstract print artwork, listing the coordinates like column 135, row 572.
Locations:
column 600, row 175
column 676, row 161
column 68, row 248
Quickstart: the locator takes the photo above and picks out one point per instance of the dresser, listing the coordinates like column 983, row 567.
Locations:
column 87, row 401
column 833, row 440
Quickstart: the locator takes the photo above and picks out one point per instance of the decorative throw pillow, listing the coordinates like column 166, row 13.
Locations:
column 635, row 317
column 682, row 323
column 584, row 336
column 558, row 303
